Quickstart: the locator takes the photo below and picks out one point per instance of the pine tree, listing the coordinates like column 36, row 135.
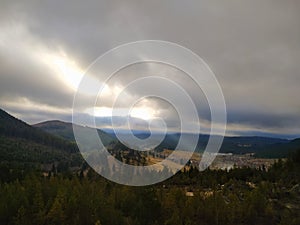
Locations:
column 56, row 214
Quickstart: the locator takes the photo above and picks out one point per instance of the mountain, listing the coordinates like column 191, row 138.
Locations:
column 251, row 144
column 65, row 130
column 280, row 150
column 260, row 146
column 58, row 128
column 20, row 142
column 53, row 141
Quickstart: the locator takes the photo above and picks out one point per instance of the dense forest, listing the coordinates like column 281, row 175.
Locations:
column 239, row 196
column 44, row 181
column 21, row 143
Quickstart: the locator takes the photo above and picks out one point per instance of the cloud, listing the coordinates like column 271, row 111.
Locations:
column 251, row 46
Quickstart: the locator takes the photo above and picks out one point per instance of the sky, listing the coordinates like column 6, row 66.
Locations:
column 251, row 46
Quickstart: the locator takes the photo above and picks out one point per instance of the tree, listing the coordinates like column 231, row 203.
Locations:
column 56, row 214
column 38, row 210
column 22, row 217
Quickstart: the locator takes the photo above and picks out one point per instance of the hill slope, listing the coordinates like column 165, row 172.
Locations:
column 280, row 150
column 261, row 146
column 20, row 142
column 65, row 130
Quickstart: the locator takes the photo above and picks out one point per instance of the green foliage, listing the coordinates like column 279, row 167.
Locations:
column 240, row 196
column 23, row 147
column 12, row 127
column 65, row 130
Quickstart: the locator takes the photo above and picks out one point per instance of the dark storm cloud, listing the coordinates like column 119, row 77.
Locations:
column 261, row 120
column 252, row 47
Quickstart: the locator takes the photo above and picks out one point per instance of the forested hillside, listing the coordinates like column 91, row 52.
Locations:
column 13, row 127
column 240, row 197
column 20, row 143
column 265, row 147
column 65, row 130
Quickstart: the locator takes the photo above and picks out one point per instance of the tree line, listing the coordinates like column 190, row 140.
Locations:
column 239, row 196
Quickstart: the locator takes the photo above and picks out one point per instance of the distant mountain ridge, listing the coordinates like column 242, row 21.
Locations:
column 58, row 136
column 23, row 143
column 13, row 127
column 267, row 147
column 65, row 130
column 56, row 127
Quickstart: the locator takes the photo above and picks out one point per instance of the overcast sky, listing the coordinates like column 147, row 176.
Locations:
column 253, row 47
